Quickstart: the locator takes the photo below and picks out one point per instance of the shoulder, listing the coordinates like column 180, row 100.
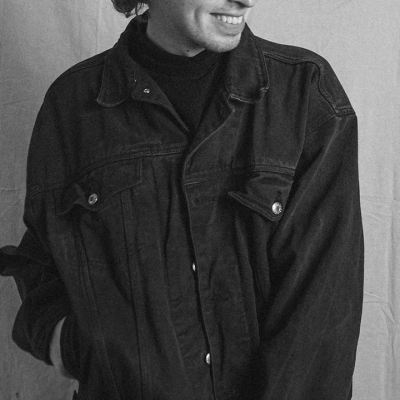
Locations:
column 315, row 69
column 81, row 81
column 69, row 103
column 73, row 90
column 92, row 65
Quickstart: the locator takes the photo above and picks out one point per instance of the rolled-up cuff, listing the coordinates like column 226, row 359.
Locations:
column 71, row 346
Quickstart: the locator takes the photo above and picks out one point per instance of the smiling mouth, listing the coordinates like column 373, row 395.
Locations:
column 229, row 19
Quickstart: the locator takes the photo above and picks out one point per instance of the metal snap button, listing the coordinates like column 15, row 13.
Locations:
column 277, row 208
column 194, row 267
column 147, row 91
column 93, row 198
column 208, row 359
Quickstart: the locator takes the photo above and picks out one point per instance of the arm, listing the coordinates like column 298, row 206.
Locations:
column 44, row 325
column 316, row 270
column 45, row 302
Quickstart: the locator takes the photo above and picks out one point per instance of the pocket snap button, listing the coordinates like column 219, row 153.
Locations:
column 277, row 208
column 93, row 198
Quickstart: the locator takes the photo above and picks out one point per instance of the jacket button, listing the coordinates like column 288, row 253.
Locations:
column 194, row 267
column 93, row 198
column 277, row 208
column 147, row 91
column 208, row 359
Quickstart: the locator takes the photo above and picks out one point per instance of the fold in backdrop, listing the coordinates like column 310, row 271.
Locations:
column 360, row 38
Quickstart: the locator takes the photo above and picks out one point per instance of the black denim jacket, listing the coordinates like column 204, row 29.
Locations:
column 225, row 267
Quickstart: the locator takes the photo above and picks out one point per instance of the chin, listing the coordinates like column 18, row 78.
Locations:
column 222, row 46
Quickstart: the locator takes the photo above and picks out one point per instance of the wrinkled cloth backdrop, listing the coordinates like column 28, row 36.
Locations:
column 360, row 38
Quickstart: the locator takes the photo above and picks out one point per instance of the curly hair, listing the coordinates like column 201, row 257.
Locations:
column 128, row 7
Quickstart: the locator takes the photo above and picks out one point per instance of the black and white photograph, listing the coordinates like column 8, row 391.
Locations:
column 199, row 200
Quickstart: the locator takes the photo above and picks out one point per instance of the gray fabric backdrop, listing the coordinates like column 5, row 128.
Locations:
column 360, row 38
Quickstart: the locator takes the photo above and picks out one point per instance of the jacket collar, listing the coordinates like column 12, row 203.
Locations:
column 246, row 75
column 122, row 76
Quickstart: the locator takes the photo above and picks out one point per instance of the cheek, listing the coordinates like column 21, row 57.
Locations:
column 207, row 23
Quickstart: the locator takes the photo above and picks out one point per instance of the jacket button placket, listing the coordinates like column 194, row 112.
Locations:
column 201, row 211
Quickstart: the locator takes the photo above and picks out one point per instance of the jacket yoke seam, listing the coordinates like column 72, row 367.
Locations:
column 94, row 61
column 321, row 88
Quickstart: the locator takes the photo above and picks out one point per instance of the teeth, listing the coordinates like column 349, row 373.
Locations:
column 230, row 20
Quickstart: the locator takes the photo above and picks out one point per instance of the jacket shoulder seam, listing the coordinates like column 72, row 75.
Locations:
column 325, row 120
column 91, row 62
column 312, row 60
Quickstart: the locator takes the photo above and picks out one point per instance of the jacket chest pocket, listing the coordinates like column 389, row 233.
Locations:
column 265, row 193
column 97, row 206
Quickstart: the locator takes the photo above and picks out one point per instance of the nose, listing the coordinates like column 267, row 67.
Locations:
column 245, row 3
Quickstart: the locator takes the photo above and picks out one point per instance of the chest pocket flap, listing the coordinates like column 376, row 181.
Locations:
column 93, row 189
column 264, row 192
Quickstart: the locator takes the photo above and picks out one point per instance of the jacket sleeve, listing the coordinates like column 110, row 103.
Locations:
column 44, row 295
column 44, row 298
column 315, row 260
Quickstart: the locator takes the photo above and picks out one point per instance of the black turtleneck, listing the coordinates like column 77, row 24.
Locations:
column 190, row 83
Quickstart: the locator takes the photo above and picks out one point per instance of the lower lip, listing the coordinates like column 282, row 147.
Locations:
column 232, row 29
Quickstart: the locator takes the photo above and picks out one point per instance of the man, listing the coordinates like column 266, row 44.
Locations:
column 193, row 217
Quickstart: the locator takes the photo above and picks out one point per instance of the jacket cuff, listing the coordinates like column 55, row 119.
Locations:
column 35, row 336
column 70, row 345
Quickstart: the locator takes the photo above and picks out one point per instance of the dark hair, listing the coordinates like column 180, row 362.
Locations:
column 128, row 7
